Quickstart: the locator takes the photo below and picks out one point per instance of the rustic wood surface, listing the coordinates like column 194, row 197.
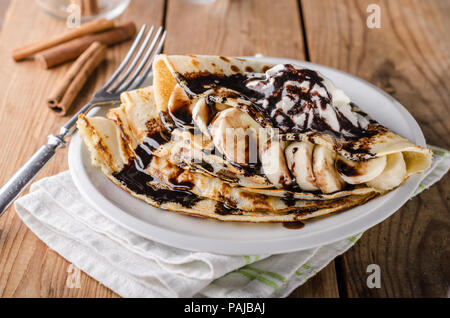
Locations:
column 3, row 6
column 240, row 28
column 408, row 57
column 28, row 268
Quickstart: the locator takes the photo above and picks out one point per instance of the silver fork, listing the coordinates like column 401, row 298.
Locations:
column 144, row 54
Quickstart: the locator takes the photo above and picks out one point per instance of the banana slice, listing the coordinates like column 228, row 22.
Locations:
column 235, row 135
column 201, row 115
column 180, row 107
column 357, row 172
column 393, row 174
column 327, row 178
column 299, row 157
column 274, row 163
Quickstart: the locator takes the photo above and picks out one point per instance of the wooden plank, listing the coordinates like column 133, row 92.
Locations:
column 3, row 6
column 408, row 57
column 322, row 285
column 235, row 28
column 243, row 28
column 27, row 267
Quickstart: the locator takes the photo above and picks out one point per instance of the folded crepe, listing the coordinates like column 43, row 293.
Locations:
column 240, row 140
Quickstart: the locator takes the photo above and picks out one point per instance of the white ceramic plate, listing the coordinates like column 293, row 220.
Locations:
column 205, row 235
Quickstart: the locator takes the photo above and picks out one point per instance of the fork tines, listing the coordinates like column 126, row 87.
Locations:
column 132, row 72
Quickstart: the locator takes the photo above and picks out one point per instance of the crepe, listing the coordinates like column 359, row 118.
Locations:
column 304, row 107
column 168, row 144
column 122, row 141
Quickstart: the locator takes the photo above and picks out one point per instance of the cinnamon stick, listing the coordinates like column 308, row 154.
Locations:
column 87, row 28
column 65, row 93
column 72, row 49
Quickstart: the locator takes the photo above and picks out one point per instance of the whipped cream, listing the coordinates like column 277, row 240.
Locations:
column 300, row 100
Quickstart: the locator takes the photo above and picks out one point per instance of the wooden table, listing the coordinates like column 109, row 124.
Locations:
column 408, row 57
column 3, row 6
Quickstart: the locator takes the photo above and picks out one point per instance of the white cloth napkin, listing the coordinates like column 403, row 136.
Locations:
column 133, row 266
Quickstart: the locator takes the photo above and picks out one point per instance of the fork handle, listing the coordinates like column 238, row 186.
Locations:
column 22, row 178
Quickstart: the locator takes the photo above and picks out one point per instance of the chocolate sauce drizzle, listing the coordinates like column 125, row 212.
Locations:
column 223, row 208
column 294, row 225
column 134, row 176
column 265, row 92
column 182, row 114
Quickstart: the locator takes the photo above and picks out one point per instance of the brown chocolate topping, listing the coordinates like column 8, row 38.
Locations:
column 223, row 209
column 294, row 225
column 182, row 114
column 265, row 92
column 343, row 168
column 135, row 177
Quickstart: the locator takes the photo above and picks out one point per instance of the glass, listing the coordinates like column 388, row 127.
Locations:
column 108, row 9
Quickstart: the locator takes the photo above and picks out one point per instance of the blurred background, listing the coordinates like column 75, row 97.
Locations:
column 3, row 6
